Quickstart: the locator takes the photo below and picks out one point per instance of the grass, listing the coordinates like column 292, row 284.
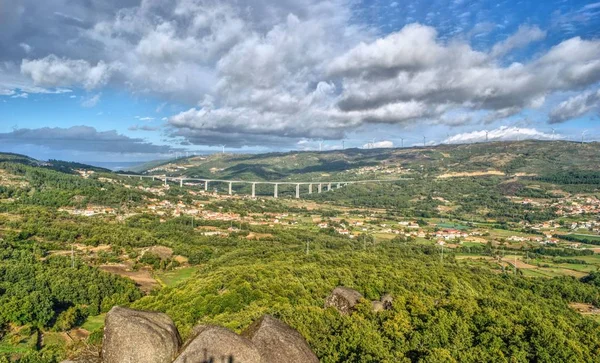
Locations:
column 588, row 236
column 452, row 225
column 51, row 338
column 6, row 347
column 172, row 278
column 94, row 323
column 472, row 244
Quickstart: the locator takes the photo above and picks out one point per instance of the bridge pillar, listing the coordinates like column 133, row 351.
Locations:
column 153, row 178
column 206, row 186
column 253, row 190
column 275, row 190
column 329, row 187
column 181, row 183
column 339, row 185
column 297, row 191
column 140, row 178
column 309, row 188
column 320, row 187
column 230, row 183
column 166, row 180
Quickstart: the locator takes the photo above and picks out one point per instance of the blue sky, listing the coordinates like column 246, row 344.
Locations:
column 137, row 80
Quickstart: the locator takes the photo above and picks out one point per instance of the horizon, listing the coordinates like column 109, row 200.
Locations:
column 100, row 163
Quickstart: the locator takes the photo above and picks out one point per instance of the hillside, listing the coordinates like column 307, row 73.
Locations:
column 510, row 158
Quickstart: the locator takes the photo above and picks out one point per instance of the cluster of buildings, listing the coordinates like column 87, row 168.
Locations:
column 577, row 206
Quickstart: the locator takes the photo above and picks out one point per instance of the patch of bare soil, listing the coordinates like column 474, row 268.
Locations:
column 142, row 277
column 258, row 236
column 181, row 259
column 476, row 239
column 585, row 309
column 520, row 264
column 473, row 173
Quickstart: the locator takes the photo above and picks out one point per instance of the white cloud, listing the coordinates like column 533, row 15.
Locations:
column 91, row 101
column 523, row 36
column 20, row 95
column 384, row 144
column 575, row 106
column 502, row 133
column 26, row 47
column 6, row 92
column 144, row 118
column 53, row 71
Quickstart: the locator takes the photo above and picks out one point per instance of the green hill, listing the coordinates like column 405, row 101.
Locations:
column 525, row 157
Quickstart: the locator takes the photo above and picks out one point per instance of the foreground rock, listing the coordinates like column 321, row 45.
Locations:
column 278, row 342
column 139, row 336
column 217, row 344
column 343, row 299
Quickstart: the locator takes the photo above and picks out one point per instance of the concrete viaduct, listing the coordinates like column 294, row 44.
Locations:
column 320, row 186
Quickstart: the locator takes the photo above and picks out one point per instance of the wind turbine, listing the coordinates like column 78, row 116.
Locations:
column 223, row 149
column 401, row 142
column 486, row 136
column 320, row 145
column 583, row 135
column 553, row 131
column 424, row 140
column 373, row 143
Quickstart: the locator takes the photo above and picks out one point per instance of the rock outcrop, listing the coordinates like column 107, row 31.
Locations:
column 132, row 336
column 387, row 301
column 343, row 299
column 377, row 306
column 217, row 344
column 139, row 336
column 278, row 342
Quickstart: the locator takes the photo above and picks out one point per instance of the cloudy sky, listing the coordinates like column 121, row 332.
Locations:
column 104, row 80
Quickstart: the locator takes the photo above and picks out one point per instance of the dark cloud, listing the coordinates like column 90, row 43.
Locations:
column 82, row 138
column 575, row 106
column 231, row 139
column 143, row 128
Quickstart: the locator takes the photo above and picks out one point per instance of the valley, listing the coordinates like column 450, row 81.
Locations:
column 459, row 235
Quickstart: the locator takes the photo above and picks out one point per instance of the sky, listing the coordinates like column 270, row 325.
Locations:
column 138, row 80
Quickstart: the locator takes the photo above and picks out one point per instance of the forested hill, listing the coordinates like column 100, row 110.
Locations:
column 57, row 165
column 500, row 158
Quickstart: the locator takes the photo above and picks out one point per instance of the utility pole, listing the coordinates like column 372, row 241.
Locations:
column 401, row 142
column 424, row 141
column 442, row 255
column 486, row 136
column 72, row 256
column 307, row 247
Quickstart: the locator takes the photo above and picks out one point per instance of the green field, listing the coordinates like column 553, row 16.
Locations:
column 460, row 227
column 94, row 323
column 172, row 278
